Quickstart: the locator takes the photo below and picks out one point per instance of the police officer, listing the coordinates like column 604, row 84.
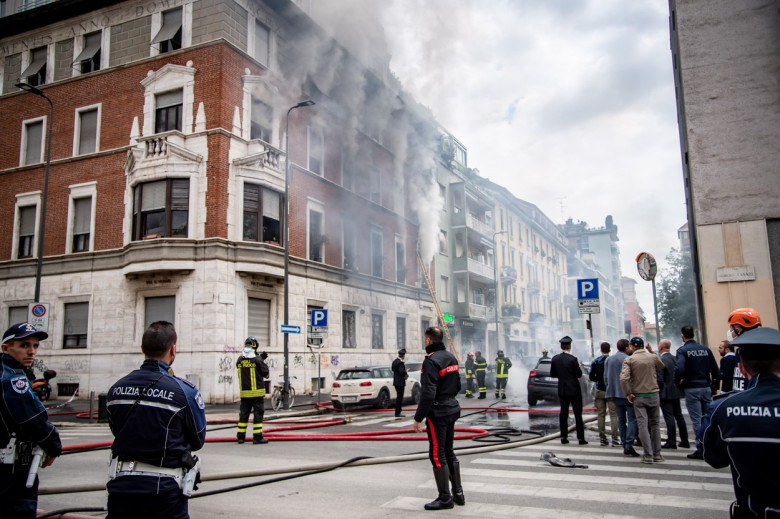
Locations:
column 744, row 429
column 440, row 383
column 502, row 374
column 24, row 424
column 470, row 375
column 696, row 372
column 252, row 370
column 480, row 368
column 157, row 420
column 399, row 381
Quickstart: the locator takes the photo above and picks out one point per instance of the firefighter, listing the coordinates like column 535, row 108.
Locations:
column 480, row 368
column 502, row 374
column 470, row 375
column 252, row 369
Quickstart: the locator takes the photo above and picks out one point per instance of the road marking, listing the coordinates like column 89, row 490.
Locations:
column 371, row 421
column 476, row 509
column 641, row 484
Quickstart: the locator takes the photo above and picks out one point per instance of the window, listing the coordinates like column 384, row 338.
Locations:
column 347, row 171
column 76, row 321
column 89, row 58
column 316, row 147
column 169, row 36
column 82, row 223
column 478, row 297
column 443, row 195
column 87, row 123
column 259, row 320
column 316, row 238
column 262, row 43
column 375, row 185
column 348, row 329
column 400, row 262
column 167, row 114
column 262, row 214
column 445, row 289
column 32, row 142
column 377, row 332
column 17, row 314
column 262, row 121
column 442, row 241
column 161, row 308
column 26, row 232
column 400, row 332
column 161, row 209
column 35, row 73
column 460, row 287
column 376, row 253
column 348, row 243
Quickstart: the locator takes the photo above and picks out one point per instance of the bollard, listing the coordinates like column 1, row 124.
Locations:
column 102, row 408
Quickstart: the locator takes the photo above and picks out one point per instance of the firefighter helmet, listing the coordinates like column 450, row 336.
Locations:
column 251, row 342
column 745, row 317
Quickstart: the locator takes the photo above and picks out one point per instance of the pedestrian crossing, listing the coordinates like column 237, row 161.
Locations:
column 516, row 483
column 92, row 431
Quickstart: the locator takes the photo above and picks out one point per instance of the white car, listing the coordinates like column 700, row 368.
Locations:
column 368, row 386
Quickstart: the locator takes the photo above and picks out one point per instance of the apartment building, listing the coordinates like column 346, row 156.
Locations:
column 166, row 190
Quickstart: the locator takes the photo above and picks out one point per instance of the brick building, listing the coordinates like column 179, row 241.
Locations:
column 166, row 188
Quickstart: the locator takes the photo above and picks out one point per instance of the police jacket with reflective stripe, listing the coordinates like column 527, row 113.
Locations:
column 440, row 382
column 251, row 372
column 169, row 420
column 22, row 413
column 696, row 366
column 745, row 432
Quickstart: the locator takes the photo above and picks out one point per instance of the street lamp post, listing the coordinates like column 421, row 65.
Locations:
column 42, row 227
column 495, row 286
column 286, row 388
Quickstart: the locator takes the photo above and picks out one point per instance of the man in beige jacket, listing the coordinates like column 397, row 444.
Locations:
column 640, row 384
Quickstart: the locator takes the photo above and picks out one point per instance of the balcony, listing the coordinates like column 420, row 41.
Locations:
column 536, row 317
column 508, row 275
column 534, row 287
column 479, row 226
column 477, row 311
column 511, row 313
column 480, row 269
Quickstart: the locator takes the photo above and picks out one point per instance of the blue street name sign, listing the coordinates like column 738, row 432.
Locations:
column 288, row 328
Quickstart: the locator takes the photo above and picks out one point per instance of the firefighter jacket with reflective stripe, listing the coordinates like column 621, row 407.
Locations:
column 440, row 382
column 502, row 367
column 251, row 372
column 470, row 368
column 480, row 364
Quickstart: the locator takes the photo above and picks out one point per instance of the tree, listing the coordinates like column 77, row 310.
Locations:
column 676, row 294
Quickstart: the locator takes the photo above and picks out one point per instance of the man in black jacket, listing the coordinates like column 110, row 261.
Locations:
column 728, row 364
column 670, row 399
column 399, row 381
column 440, row 383
column 252, row 372
column 566, row 368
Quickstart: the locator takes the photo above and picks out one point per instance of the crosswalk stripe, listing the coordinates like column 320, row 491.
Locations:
column 477, row 509
column 593, row 481
column 601, row 496
column 370, row 421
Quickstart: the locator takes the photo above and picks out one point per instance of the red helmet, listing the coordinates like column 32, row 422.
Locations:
column 745, row 317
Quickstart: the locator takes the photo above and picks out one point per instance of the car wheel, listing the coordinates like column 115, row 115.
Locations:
column 532, row 400
column 416, row 394
column 383, row 400
column 337, row 404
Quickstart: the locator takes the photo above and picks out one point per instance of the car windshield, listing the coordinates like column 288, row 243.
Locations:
column 543, row 368
column 353, row 374
column 413, row 366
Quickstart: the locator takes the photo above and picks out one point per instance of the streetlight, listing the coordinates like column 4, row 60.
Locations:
column 42, row 227
column 286, row 232
column 495, row 286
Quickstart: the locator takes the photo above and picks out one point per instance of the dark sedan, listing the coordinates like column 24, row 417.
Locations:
column 541, row 386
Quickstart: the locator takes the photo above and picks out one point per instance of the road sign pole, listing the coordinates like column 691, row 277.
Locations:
column 657, row 323
column 590, row 328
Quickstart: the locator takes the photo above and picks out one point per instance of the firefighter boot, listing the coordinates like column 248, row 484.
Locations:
column 444, row 501
column 240, row 437
column 457, row 488
column 258, row 439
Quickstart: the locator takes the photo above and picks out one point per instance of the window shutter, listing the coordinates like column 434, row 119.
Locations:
column 160, row 309
column 34, row 143
column 81, row 221
column 260, row 320
column 76, row 318
column 88, row 131
column 169, row 99
column 270, row 204
column 153, row 196
column 27, row 223
column 180, row 195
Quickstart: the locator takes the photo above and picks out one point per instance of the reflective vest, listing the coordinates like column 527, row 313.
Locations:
column 502, row 367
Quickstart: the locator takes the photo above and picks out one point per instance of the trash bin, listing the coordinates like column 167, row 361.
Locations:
column 102, row 409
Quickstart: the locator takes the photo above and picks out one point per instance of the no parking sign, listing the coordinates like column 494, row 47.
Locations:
column 38, row 316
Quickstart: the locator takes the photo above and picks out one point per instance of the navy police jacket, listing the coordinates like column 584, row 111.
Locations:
column 743, row 432
column 440, row 382
column 22, row 413
column 168, row 422
column 696, row 366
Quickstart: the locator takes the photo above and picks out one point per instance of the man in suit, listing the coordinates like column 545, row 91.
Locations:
column 670, row 399
column 399, row 381
column 566, row 368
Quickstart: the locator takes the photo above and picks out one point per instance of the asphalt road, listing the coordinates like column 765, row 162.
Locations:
column 498, row 483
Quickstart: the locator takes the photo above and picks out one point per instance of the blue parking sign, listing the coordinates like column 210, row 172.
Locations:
column 587, row 289
column 319, row 317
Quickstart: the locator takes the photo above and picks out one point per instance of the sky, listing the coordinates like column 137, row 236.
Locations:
column 567, row 103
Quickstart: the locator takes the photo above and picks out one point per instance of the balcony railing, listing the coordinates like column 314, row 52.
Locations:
column 477, row 311
column 534, row 286
column 479, row 226
column 508, row 275
column 481, row 269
